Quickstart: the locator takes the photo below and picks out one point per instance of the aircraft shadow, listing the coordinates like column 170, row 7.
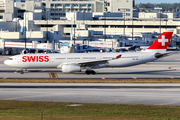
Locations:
column 154, row 72
column 157, row 72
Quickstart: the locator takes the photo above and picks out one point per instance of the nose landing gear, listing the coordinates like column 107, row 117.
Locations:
column 88, row 72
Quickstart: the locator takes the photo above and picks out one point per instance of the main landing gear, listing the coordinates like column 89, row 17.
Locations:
column 21, row 72
column 88, row 72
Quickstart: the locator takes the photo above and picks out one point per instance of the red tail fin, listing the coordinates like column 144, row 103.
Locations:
column 162, row 42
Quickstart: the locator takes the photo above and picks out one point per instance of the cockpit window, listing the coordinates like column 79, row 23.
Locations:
column 10, row 58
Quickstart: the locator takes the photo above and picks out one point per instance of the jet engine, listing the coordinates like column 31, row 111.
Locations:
column 68, row 68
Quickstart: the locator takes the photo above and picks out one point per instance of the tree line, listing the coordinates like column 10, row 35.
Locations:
column 166, row 6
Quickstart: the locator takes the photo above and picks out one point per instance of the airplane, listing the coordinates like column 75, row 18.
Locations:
column 70, row 47
column 75, row 62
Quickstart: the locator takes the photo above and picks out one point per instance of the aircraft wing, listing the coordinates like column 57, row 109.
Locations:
column 94, row 62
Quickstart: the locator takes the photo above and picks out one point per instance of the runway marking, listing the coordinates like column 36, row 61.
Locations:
column 56, row 75
column 53, row 75
column 50, row 75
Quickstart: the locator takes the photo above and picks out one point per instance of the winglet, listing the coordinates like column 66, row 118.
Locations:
column 118, row 56
column 162, row 42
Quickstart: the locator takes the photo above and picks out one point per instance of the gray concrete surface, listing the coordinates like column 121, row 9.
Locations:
column 167, row 67
column 148, row 94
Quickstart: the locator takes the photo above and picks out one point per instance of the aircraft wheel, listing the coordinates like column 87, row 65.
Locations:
column 22, row 72
column 87, row 72
column 93, row 72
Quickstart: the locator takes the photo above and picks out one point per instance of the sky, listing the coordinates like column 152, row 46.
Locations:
column 157, row 1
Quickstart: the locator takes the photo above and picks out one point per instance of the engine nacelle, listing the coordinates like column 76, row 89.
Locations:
column 68, row 68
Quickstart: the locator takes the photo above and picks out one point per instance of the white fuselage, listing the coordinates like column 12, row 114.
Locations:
column 28, row 61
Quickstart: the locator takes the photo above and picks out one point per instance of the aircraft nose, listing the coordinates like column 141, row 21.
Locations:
column 6, row 62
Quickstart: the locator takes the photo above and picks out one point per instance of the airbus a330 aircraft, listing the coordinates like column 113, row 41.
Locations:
column 75, row 62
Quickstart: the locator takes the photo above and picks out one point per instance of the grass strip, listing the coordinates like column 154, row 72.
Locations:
column 103, row 80
column 28, row 110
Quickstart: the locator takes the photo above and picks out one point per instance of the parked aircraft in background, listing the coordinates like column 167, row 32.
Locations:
column 66, row 48
column 70, row 47
column 75, row 62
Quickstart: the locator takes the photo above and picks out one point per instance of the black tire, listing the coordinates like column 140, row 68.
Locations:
column 93, row 72
column 87, row 72
column 22, row 72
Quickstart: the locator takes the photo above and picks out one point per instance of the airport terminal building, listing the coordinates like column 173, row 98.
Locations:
column 95, row 20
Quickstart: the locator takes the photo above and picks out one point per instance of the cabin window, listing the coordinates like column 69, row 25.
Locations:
column 107, row 57
column 60, row 58
column 92, row 57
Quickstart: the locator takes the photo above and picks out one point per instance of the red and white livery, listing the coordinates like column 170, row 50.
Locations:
column 75, row 62
column 162, row 42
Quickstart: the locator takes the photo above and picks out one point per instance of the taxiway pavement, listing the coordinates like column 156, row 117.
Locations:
column 111, row 93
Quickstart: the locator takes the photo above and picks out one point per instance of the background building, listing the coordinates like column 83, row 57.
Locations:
column 96, row 20
column 123, row 6
column 6, row 10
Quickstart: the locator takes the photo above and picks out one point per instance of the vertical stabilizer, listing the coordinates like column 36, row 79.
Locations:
column 21, row 29
column 162, row 42
column 71, row 42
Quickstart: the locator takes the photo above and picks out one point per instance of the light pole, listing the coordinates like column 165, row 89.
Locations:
column 105, row 26
column 25, row 33
column 83, row 15
column 166, row 19
column 105, row 21
column 47, row 25
column 132, row 28
column 124, row 22
column 16, row 24
column 74, row 26
column 124, row 14
column 160, row 23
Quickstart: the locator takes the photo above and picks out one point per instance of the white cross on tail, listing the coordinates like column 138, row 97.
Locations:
column 163, row 40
